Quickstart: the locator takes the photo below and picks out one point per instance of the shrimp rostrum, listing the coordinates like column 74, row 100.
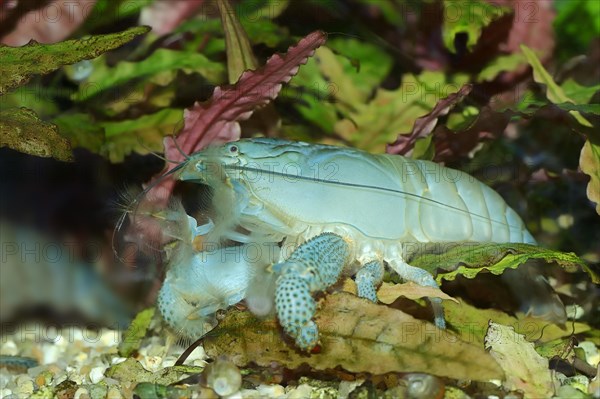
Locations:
column 344, row 210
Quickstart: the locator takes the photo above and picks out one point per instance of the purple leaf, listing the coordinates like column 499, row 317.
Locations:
column 424, row 125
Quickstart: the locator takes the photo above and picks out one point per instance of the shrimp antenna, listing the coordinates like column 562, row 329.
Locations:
column 141, row 143
column 186, row 156
column 133, row 207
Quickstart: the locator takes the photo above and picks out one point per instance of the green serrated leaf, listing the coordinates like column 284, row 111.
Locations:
column 470, row 323
column 585, row 108
column 22, row 130
column 553, row 91
column 161, row 61
column 81, row 130
column 589, row 162
column 374, row 64
column 468, row 260
column 580, row 94
column 264, row 31
column 20, row 63
column 503, row 63
column 132, row 338
column 371, row 126
column 470, row 17
column 141, row 135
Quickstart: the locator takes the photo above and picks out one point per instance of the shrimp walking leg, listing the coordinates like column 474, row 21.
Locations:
column 368, row 278
column 313, row 266
column 425, row 279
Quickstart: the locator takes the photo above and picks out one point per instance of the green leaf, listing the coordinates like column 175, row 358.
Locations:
column 584, row 108
column 142, row 135
column 330, row 82
column 503, row 63
column 312, row 96
column 468, row 260
column 576, row 25
column 161, row 61
column 132, row 338
column 470, row 17
column 358, row 336
column 371, row 126
column 110, row 12
column 580, row 94
column 264, row 31
column 374, row 64
column 81, row 130
column 239, row 51
column 470, row 323
column 22, row 130
column 553, row 91
column 589, row 162
column 20, row 63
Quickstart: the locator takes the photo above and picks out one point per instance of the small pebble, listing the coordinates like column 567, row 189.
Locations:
column 152, row 363
column 300, row 392
column 113, row 393
column 271, row 391
column 223, row 377
column 81, row 393
column 97, row 374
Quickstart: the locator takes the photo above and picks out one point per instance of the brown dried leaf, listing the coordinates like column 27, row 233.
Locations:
column 525, row 369
column 388, row 292
column 358, row 336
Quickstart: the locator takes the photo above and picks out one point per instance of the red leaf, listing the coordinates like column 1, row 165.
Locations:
column 217, row 119
column 44, row 22
column 424, row 125
column 166, row 15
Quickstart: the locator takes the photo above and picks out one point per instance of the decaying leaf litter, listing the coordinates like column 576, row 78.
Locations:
column 362, row 113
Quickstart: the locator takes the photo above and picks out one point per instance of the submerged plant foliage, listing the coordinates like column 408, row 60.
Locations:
column 470, row 84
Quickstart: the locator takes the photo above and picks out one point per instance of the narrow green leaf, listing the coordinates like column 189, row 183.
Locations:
column 161, row 61
column 589, row 161
column 239, row 50
column 503, row 63
column 580, row 94
column 132, row 338
column 22, row 130
column 142, row 135
column 553, row 91
column 470, row 323
column 81, row 130
column 585, row 108
column 20, row 63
